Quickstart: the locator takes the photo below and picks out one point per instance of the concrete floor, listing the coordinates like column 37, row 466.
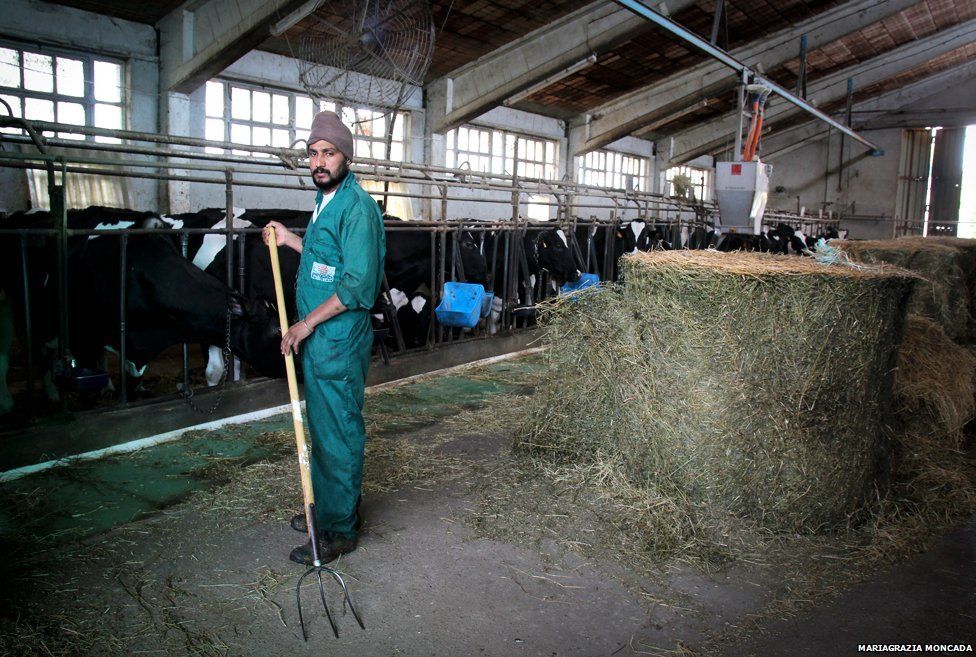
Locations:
column 210, row 576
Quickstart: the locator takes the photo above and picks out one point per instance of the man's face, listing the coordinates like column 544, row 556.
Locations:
column 327, row 164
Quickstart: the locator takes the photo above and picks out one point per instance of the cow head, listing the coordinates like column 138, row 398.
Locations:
column 256, row 335
column 635, row 236
column 554, row 255
column 473, row 260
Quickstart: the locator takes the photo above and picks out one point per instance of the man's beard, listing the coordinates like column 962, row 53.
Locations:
column 334, row 178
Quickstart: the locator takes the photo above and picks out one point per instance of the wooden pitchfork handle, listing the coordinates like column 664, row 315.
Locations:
column 304, row 451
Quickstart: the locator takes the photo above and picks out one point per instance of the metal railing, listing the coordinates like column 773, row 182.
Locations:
column 184, row 159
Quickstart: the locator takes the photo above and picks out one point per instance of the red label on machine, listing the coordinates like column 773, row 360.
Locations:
column 736, row 169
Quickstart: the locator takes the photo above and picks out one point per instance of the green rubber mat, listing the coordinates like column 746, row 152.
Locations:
column 89, row 497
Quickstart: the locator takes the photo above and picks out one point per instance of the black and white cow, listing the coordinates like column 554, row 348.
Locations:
column 41, row 253
column 409, row 260
column 548, row 250
column 626, row 238
column 209, row 253
column 168, row 300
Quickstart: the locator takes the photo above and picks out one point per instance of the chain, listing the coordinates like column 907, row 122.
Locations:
column 187, row 393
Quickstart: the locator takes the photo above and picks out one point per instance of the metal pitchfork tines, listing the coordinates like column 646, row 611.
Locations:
column 318, row 568
column 303, row 466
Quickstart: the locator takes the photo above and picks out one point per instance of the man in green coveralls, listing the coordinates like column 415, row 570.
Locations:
column 339, row 277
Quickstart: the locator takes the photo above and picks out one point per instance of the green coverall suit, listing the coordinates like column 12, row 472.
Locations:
column 342, row 254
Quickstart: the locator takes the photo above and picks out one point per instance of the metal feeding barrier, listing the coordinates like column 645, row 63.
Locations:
column 435, row 187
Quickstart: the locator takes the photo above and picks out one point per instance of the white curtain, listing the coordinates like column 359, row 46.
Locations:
column 82, row 189
column 398, row 206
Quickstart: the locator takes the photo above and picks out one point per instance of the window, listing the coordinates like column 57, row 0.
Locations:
column 538, row 208
column 501, row 152
column 255, row 116
column 76, row 89
column 683, row 180
column 613, row 170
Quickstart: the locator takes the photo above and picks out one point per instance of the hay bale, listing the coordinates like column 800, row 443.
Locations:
column 933, row 480
column 935, row 384
column 967, row 263
column 730, row 383
column 944, row 293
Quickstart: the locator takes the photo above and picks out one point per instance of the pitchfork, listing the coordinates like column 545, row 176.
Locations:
column 303, row 465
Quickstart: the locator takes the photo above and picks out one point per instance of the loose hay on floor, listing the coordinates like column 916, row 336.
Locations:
column 943, row 294
column 728, row 385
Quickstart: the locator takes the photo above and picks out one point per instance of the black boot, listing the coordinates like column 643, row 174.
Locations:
column 331, row 547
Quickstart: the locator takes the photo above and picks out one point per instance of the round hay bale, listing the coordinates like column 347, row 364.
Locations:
column 967, row 263
column 935, row 384
column 942, row 295
column 739, row 383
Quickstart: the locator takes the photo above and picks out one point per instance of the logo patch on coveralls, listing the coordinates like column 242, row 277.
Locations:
column 322, row 272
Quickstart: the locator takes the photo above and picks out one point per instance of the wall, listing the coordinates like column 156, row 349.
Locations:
column 184, row 114
column 262, row 68
column 30, row 22
column 868, row 184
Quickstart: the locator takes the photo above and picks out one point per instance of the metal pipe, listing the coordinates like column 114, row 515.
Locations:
column 801, row 79
column 463, row 178
column 267, row 185
column 229, row 245
column 28, row 328
column 720, row 55
column 184, row 238
column 433, row 286
column 123, row 392
column 14, row 122
column 717, row 21
column 442, row 262
column 850, row 105
column 506, row 292
column 737, row 153
column 239, row 373
column 431, row 227
column 59, row 213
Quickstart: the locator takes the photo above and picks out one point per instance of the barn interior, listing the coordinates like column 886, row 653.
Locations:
column 681, row 358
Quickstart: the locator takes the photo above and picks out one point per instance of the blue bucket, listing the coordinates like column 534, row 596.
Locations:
column 585, row 281
column 81, row 379
column 461, row 305
column 486, row 304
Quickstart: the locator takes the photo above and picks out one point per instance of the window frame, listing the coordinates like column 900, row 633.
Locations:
column 497, row 157
column 603, row 173
column 295, row 132
column 705, row 187
column 88, row 100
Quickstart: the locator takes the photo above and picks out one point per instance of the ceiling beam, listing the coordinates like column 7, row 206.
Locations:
column 543, row 54
column 781, row 143
column 954, row 117
column 199, row 40
column 655, row 103
column 714, row 135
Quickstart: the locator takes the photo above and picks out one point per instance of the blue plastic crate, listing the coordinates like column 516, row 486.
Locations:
column 585, row 281
column 461, row 305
